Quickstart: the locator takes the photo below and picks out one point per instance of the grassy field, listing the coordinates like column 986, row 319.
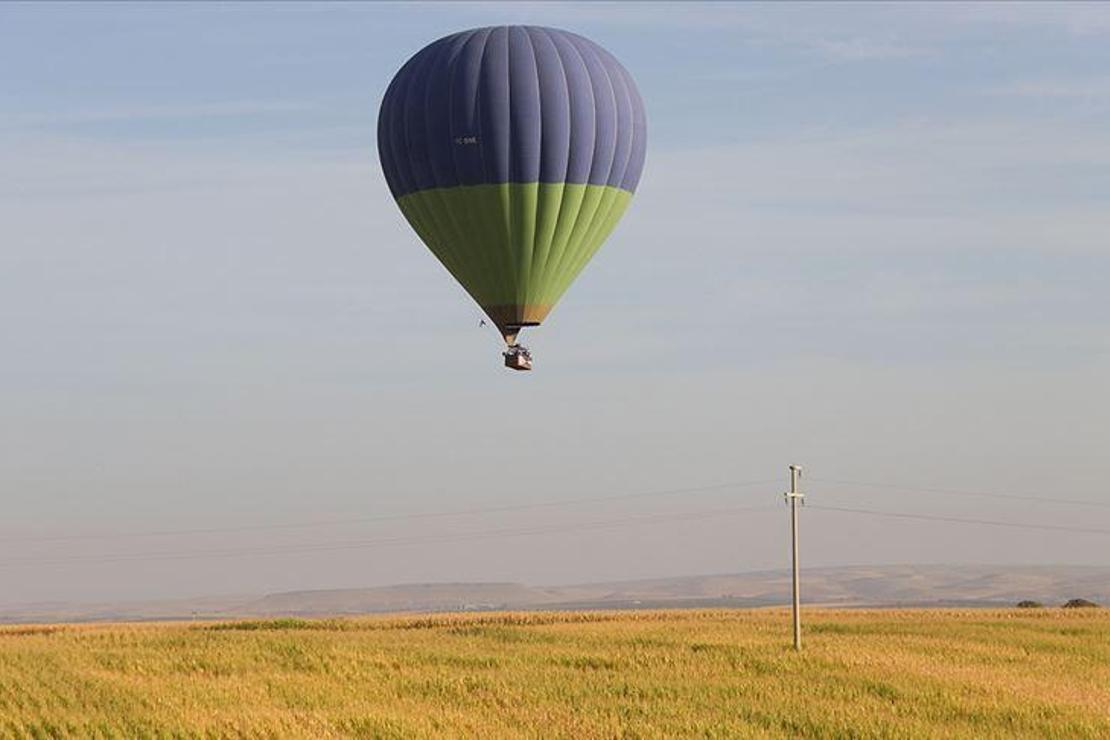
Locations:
column 971, row 673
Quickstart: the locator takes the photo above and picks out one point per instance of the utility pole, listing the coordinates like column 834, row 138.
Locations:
column 793, row 496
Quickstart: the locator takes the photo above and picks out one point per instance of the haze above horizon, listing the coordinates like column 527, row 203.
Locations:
column 870, row 239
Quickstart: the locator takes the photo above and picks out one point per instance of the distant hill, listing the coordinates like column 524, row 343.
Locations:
column 401, row 598
column 880, row 585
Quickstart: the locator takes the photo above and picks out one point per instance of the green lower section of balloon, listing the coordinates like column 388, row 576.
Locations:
column 515, row 243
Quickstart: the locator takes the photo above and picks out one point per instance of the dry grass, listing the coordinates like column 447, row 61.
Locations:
column 972, row 673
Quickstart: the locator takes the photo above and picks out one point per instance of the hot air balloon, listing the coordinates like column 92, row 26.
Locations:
column 513, row 151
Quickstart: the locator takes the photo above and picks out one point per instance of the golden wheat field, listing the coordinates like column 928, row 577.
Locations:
column 714, row 673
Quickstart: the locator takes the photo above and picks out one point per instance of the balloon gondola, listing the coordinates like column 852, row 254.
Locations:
column 513, row 151
column 517, row 357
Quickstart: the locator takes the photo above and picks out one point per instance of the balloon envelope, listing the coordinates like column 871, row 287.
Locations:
column 513, row 151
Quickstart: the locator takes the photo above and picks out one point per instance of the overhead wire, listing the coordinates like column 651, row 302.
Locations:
column 961, row 520
column 505, row 532
column 497, row 509
column 668, row 517
column 955, row 492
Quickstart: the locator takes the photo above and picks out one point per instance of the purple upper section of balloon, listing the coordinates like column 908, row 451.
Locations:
column 511, row 104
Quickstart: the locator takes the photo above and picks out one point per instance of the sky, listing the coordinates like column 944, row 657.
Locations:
column 870, row 240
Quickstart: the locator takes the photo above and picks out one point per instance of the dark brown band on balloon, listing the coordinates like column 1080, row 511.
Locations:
column 516, row 316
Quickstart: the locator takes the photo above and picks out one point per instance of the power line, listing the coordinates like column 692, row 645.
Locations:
column 386, row 517
column 961, row 520
column 953, row 492
column 507, row 532
column 391, row 541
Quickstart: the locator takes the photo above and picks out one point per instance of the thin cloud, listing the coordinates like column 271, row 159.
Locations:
column 164, row 112
column 1072, row 89
column 1075, row 18
column 860, row 49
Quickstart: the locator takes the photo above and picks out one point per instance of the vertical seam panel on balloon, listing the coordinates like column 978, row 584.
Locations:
column 490, row 227
column 529, row 243
column 587, row 248
column 399, row 139
column 625, row 82
column 608, row 224
column 605, row 226
column 506, row 191
column 384, row 153
column 543, row 275
column 472, row 236
column 501, row 204
column 460, row 247
column 639, row 123
column 539, row 272
column 418, row 201
column 465, row 231
column 396, row 136
column 442, row 216
column 571, row 192
column 419, row 95
column 510, row 202
column 557, row 288
column 576, row 246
